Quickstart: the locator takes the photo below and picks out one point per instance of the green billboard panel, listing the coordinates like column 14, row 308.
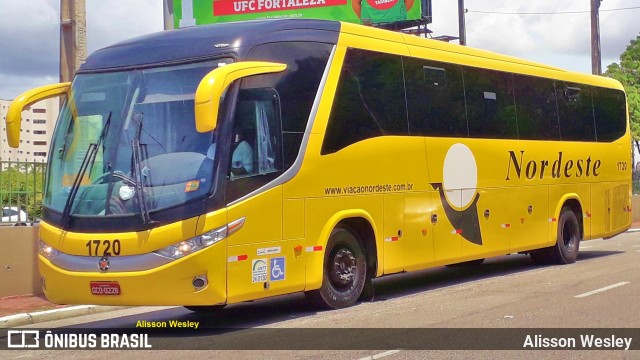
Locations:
column 199, row 12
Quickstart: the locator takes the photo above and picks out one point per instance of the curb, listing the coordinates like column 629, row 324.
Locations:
column 55, row 314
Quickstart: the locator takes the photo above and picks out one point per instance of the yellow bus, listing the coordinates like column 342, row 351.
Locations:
column 218, row 164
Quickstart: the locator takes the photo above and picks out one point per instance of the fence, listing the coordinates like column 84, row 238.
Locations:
column 21, row 191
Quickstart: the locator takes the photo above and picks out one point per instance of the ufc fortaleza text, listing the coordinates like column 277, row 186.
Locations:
column 585, row 341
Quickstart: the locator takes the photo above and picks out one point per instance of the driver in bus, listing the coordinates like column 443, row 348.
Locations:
column 242, row 159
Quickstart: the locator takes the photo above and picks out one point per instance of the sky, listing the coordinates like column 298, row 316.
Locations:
column 29, row 32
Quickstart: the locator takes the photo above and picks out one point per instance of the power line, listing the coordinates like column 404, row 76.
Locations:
column 548, row 13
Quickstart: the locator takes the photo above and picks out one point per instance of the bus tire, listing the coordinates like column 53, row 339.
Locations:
column 205, row 309
column 567, row 245
column 344, row 271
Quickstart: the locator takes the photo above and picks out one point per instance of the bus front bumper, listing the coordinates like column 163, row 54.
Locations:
column 169, row 284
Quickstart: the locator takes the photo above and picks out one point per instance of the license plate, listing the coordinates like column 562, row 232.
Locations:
column 105, row 288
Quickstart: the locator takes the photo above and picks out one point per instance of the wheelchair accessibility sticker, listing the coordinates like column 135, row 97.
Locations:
column 277, row 269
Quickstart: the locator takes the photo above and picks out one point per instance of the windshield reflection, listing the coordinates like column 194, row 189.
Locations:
column 126, row 143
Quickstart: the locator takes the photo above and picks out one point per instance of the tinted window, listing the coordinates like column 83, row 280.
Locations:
column 255, row 157
column 271, row 114
column 435, row 98
column 536, row 108
column 491, row 109
column 610, row 112
column 575, row 112
column 369, row 100
column 297, row 86
column 257, row 123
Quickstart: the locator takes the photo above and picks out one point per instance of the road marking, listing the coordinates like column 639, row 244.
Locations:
column 633, row 230
column 586, row 247
column 602, row 289
column 381, row 355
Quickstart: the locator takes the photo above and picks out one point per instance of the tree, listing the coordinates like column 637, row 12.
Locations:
column 21, row 185
column 628, row 73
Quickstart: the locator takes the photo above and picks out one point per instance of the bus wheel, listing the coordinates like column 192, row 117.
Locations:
column 344, row 272
column 566, row 249
column 209, row 309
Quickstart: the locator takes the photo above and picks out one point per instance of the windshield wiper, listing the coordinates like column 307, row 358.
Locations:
column 137, row 171
column 87, row 161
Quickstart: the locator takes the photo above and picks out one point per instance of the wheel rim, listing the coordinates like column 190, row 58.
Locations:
column 343, row 269
column 569, row 234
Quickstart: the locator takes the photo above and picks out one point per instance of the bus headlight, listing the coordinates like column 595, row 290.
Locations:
column 47, row 251
column 186, row 247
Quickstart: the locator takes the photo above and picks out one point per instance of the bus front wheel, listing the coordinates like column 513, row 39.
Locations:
column 344, row 272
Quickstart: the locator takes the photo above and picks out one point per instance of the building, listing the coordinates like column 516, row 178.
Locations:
column 38, row 122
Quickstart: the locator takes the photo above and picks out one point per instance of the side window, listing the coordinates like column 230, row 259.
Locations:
column 255, row 156
column 491, row 111
column 536, row 108
column 575, row 111
column 435, row 98
column 369, row 100
column 272, row 113
column 297, row 86
column 610, row 110
column 256, row 134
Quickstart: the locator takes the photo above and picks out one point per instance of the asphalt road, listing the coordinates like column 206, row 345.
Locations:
column 601, row 290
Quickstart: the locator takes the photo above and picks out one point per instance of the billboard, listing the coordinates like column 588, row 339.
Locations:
column 199, row 12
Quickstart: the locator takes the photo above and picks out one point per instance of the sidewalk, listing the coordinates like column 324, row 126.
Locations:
column 12, row 305
column 23, row 310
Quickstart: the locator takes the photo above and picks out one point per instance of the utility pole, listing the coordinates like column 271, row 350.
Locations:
column 462, row 31
column 167, row 6
column 596, row 63
column 73, row 37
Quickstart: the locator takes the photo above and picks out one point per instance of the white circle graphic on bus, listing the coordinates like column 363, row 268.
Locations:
column 459, row 176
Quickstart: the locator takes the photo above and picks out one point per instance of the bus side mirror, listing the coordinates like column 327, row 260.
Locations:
column 14, row 114
column 214, row 84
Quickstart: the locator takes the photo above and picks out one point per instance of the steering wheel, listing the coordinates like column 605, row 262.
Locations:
column 116, row 174
column 115, row 204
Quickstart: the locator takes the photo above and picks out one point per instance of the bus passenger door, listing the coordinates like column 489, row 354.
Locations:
column 260, row 264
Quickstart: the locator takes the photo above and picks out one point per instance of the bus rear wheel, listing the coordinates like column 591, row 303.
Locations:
column 565, row 251
column 344, row 272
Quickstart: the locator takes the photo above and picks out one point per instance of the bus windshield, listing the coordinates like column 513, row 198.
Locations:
column 126, row 143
